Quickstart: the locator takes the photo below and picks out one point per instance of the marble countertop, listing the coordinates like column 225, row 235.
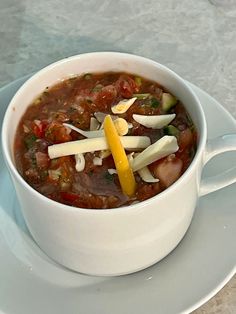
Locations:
column 197, row 39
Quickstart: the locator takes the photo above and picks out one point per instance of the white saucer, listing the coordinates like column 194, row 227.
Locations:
column 30, row 283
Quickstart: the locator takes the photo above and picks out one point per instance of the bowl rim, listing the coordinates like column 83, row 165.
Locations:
column 184, row 177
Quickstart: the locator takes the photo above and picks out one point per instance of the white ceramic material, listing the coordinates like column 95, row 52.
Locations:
column 206, row 256
column 128, row 239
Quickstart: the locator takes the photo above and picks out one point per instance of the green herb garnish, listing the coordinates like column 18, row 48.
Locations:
column 109, row 177
column 154, row 103
column 171, row 130
column 30, row 140
column 90, row 173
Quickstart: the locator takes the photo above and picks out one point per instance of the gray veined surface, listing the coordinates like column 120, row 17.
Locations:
column 197, row 39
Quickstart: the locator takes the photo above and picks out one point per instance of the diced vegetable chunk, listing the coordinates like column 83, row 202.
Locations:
column 171, row 130
column 168, row 101
column 169, row 170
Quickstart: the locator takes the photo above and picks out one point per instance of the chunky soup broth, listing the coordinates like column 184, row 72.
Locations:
column 74, row 102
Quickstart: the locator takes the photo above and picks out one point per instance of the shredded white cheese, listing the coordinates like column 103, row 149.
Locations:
column 154, row 122
column 97, row 161
column 123, row 105
column 163, row 147
column 112, row 171
column 80, row 162
column 120, row 124
column 95, row 144
column 146, row 175
column 130, row 158
column 88, row 134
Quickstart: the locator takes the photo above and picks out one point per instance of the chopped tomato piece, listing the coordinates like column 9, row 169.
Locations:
column 185, row 139
column 42, row 160
column 105, row 97
column 146, row 190
column 57, row 133
column 126, row 86
column 69, row 197
column 168, row 170
column 39, row 128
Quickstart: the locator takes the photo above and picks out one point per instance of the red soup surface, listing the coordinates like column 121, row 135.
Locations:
column 75, row 101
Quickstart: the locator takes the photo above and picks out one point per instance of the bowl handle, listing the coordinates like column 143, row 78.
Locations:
column 214, row 147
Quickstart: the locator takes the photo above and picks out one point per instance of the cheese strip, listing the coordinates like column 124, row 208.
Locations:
column 146, row 175
column 124, row 171
column 95, row 144
column 79, row 162
column 120, row 124
column 89, row 134
column 123, row 105
column 144, row 172
column 97, row 161
column 163, row 147
column 130, row 158
column 154, row 122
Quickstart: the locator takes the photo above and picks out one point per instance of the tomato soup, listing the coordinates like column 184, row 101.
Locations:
column 91, row 179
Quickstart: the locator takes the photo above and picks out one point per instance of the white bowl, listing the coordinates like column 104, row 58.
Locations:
column 127, row 239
